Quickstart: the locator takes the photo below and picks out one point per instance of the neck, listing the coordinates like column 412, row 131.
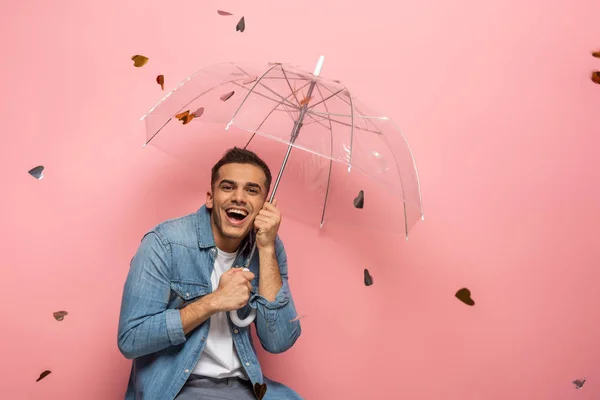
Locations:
column 225, row 244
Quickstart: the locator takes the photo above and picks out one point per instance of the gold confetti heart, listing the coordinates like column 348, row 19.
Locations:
column 60, row 315
column 139, row 61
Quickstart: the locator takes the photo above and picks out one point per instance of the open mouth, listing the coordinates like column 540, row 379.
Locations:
column 236, row 215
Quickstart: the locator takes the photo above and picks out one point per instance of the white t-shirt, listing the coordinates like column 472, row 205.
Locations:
column 219, row 358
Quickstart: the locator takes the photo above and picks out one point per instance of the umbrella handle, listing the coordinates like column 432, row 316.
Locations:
column 242, row 323
column 319, row 66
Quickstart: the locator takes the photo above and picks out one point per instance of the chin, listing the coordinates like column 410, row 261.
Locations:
column 234, row 233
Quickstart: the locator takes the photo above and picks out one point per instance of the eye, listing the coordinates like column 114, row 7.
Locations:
column 227, row 187
column 253, row 190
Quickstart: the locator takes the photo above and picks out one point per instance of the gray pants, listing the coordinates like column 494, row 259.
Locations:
column 202, row 388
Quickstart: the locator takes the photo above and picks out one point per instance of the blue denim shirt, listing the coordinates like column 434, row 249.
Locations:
column 172, row 267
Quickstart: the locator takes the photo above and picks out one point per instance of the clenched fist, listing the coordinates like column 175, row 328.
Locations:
column 234, row 289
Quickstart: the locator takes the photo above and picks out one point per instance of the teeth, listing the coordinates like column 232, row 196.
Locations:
column 241, row 212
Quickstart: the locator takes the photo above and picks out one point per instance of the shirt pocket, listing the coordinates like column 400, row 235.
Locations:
column 187, row 292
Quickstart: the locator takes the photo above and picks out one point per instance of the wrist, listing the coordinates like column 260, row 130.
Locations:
column 212, row 303
column 267, row 250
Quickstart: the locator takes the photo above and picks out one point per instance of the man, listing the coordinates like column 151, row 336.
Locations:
column 174, row 320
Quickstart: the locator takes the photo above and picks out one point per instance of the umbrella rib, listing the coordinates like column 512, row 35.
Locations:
column 158, row 131
column 348, row 115
column 325, row 99
column 259, row 93
column 265, row 119
column 351, row 130
column 181, row 108
column 401, row 185
column 330, row 161
column 350, row 125
column 340, row 97
column 273, row 100
column 265, row 86
column 247, row 94
column 290, row 86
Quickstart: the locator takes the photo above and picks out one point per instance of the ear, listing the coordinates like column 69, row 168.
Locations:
column 209, row 200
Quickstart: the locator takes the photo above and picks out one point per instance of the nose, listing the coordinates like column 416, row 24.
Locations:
column 239, row 196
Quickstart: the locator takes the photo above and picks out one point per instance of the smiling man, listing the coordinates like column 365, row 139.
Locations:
column 174, row 320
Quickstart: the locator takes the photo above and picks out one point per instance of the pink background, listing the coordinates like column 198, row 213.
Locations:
column 496, row 101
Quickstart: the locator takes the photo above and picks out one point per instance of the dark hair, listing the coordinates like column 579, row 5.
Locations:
column 237, row 155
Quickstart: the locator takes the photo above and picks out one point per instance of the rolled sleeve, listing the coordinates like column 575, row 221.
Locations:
column 275, row 322
column 281, row 299
column 174, row 327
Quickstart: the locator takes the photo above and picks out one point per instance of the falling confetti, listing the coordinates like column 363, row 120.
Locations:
column 299, row 317
column 368, row 278
column 139, row 61
column 304, row 101
column 185, row 117
column 596, row 54
column 464, row 295
column 241, row 26
column 260, row 390
column 359, row 201
column 227, row 96
column 225, row 13
column 43, row 375
column 250, row 80
column 60, row 315
column 37, row 172
column 161, row 81
column 578, row 383
column 198, row 113
column 596, row 77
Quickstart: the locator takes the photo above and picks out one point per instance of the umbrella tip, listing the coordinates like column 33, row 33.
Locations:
column 319, row 66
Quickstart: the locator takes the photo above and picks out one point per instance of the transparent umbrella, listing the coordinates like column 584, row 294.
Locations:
column 303, row 111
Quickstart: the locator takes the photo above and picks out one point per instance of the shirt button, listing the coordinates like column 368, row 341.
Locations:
column 187, row 371
column 247, row 364
column 235, row 331
column 187, row 295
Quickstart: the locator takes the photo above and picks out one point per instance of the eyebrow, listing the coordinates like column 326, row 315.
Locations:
column 233, row 183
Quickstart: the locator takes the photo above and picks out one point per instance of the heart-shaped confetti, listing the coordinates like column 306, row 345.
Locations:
column 60, row 315
column 579, row 383
column 241, row 26
column 227, row 96
column 43, row 375
column 368, row 278
column 596, row 77
column 139, row 60
column 198, row 113
column 221, row 12
column 464, row 295
column 161, row 81
column 304, row 101
column 37, row 172
column 359, row 201
column 260, row 390
column 185, row 117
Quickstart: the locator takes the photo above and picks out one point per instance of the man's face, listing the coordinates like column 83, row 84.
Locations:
column 236, row 198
